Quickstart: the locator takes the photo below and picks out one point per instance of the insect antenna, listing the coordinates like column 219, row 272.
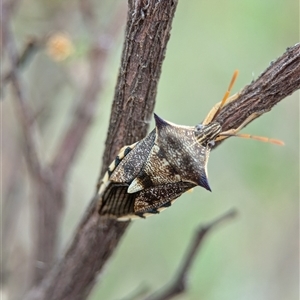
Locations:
column 254, row 137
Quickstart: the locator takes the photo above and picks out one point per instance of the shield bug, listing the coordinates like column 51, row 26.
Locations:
column 146, row 177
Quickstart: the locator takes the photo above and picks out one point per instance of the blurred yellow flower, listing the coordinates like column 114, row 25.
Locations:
column 59, row 46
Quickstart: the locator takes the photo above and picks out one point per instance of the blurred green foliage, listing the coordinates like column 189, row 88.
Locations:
column 254, row 257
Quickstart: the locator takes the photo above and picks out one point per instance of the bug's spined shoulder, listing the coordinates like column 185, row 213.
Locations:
column 182, row 150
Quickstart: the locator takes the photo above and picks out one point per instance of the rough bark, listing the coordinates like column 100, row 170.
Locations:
column 279, row 80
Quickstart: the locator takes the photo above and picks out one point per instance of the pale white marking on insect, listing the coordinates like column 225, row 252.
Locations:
column 105, row 180
column 129, row 217
column 122, row 151
column 104, row 184
column 135, row 186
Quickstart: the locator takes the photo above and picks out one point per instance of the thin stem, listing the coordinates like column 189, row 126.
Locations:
column 179, row 284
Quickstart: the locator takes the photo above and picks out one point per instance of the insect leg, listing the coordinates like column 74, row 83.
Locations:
column 210, row 116
column 152, row 200
column 225, row 134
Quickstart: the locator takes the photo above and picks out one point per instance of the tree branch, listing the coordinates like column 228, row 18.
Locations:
column 179, row 283
column 23, row 108
column 279, row 80
column 22, row 60
column 147, row 33
column 86, row 108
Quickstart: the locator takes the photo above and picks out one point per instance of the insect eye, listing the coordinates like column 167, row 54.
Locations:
column 211, row 144
column 199, row 127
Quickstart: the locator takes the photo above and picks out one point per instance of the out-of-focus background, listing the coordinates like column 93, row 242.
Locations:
column 254, row 257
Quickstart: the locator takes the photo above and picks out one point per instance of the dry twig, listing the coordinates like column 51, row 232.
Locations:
column 179, row 284
column 22, row 60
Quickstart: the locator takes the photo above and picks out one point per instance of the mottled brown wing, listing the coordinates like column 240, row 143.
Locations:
column 117, row 203
column 114, row 201
column 131, row 164
column 151, row 200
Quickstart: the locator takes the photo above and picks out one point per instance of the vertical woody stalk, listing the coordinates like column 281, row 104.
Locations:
column 147, row 33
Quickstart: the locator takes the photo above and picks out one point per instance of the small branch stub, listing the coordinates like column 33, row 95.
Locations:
column 178, row 286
